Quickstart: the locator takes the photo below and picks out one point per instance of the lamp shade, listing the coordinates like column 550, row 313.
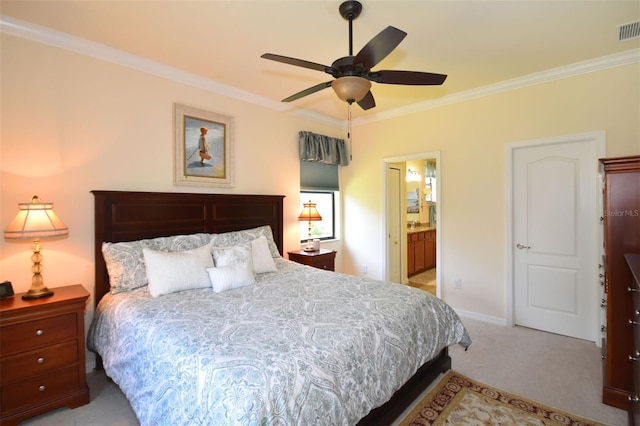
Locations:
column 309, row 213
column 351, row 89
column 35, row 220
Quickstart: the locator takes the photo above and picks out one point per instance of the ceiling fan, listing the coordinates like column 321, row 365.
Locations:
column 353, row 74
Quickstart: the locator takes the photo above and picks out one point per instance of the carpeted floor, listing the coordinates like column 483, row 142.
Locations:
column 459, row 400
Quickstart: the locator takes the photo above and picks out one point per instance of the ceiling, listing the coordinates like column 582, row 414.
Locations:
column 476, row 43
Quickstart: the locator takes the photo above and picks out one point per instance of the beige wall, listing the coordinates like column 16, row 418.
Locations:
column 472, row 137
column 71, row 124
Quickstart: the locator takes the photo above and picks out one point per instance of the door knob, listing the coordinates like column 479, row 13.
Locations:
column 522, row 246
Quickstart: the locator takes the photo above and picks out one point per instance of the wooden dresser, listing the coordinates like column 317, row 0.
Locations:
column 321, row 259
column 621, row 220
column 42, row 354
column 633, row 260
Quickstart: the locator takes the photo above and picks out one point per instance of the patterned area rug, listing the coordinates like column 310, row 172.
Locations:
column 458, row 400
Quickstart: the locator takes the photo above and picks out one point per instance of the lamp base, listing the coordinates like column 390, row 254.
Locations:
column 41, row 294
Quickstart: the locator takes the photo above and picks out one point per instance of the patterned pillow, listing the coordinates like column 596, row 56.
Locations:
column 232, row 256
column 125, row 261
column 234, row 238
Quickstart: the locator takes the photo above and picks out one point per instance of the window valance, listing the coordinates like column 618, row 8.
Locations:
column 317, row 148
column 430, row 169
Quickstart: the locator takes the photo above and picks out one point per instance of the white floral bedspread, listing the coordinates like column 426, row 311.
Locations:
column 300, row 347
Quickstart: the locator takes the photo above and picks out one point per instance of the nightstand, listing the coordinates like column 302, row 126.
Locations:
column 42, row 354
column 322, row 259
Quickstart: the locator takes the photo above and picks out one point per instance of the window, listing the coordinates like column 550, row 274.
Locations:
column 325, row 201
column 319, row 184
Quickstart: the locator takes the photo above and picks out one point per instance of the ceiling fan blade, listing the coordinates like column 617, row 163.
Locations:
column 367, row 102
column 308, row 91
column 379, row 47
column 297, row 62
column 415, row 78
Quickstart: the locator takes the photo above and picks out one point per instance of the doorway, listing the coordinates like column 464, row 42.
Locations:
column 395, row 208
column 554, row 234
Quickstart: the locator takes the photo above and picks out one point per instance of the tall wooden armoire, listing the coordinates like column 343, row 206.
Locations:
column 621, row 219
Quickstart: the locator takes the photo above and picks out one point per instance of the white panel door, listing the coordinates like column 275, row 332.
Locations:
column 394, row 224
column 555, row 238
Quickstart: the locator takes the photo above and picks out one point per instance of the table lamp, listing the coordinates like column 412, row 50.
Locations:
column 309, row 213
column 36, row 220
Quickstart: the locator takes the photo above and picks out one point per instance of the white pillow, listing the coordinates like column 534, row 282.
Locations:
column 169, row 272
column 261, row 256
column 230, row 277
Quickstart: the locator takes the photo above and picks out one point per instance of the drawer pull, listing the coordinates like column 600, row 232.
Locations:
column 39, row 332
column 633, row 290
column 40, row 360
column 41, row 388
column 635, row 357
column 634, row 398
column 632, row 322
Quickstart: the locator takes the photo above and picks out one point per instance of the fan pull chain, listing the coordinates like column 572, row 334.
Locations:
column 349, row 132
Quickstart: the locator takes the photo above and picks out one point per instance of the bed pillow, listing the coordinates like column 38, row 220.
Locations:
column 233, row 268
column 230, row 277
column 234, row 238
column 169, row 272
column 231, row 256
column 125, row 261
column 261, row 257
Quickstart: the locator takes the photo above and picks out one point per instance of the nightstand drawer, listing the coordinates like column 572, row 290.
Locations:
column 37, row 362
column 324, row 264
column 39, row 389
column 321, row 259
column 34, row 334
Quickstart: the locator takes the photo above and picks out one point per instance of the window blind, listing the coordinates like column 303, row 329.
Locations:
column 318, row 176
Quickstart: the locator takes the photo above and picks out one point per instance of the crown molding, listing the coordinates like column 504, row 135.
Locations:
column 44, row 35
column 598, row 64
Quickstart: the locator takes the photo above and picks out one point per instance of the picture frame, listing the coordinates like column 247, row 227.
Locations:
column 198, row 165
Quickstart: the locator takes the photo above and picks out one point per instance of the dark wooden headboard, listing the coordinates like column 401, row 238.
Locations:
column 129, row 216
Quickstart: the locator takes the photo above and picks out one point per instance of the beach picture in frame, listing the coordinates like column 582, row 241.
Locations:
column 203, row 147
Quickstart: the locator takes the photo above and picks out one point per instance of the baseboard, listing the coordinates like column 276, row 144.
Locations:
column 481, row 317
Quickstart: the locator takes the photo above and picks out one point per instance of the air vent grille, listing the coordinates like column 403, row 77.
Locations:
column 628, row 31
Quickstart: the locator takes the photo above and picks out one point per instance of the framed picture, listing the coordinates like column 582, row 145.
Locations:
column 203, row 148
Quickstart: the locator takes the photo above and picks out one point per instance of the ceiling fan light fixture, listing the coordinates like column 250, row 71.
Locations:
column 351, row 89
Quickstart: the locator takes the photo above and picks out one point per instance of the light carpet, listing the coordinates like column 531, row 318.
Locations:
column 459, row 400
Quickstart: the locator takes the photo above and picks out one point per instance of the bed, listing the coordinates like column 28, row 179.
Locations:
column 298, row 345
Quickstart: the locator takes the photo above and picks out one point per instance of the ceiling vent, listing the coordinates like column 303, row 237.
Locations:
column 628, row 31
